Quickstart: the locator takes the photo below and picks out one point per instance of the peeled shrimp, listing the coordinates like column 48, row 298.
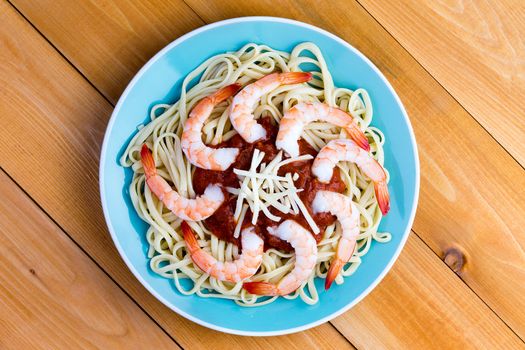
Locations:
column 346, row 212
column 293, row 122
column 347, row 150
column 197, row 152
column 305, row 260
column 187, row 209
column 231, row 271
column 241, row 114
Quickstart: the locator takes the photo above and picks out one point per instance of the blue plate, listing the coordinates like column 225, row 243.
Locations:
column 160, row 80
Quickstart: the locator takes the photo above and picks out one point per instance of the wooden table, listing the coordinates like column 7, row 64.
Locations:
column 459, row 68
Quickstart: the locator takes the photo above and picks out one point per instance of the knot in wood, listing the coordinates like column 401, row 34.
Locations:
column 455, row 259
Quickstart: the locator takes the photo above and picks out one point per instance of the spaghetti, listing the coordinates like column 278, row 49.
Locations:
column 167, row 248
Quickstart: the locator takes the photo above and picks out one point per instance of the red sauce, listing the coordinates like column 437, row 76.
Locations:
column 222, row 224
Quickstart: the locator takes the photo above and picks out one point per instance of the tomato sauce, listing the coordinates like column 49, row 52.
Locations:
column 222, row 224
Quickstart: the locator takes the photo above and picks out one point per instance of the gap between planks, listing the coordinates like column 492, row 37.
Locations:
column 313, row 334
column 469, row 287
column 99, row 90
column 438, row 82
column 86, row 253
column 481, row 125
column 464, row 109
column 56, row 223
column 59, row 52
column 33, row 209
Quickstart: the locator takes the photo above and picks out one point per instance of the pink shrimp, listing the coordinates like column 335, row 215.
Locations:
column 347, row 150
column 197, row 152
column 294, row 121
column 241, row 114
column 346, row 212
column 305, row 260
column 188, row 209
column 231, row 271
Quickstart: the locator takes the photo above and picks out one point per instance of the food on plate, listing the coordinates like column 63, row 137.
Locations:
column 346, row 150
column 241, row 116
column 197, row 152
column 195, row 209
column 263, row 176
column 305, row 249
column 244, row 266
column 293, row 122
column 348, row 216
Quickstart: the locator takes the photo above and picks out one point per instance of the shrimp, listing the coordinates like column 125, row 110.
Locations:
column 197, row 152
column 346, row 212
column 347, row 150
column 187, row 209
column 241, row 114
column 293, row 122
column 305, row 260
column 231, row 271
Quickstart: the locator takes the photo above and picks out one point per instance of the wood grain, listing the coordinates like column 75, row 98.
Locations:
column 52, row 295
column 71, row 204
column 444, row 195
column 477, row 53
column 421, row 305
column 52, row 115
column 95, row 35
column 461, row 165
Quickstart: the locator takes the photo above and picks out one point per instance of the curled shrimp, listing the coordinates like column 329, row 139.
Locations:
column 293, row 122
column 305, row 260
column 231, row 271
column 348, row 216
column 347, row 150
column 187, row 209
column 241, row 114
column 196, row 151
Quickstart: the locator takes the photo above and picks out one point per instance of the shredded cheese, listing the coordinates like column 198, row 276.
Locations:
column 306, row 215
column 261, row 188
column 264, row 177
column 237, row 230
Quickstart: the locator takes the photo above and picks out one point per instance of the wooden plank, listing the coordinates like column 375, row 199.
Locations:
column 472, row 191
column 447, row 191
column 52, row 295
column 72, row 203
column 96, row 35
column 421, row 305
column 477, row 54
column 53, row 122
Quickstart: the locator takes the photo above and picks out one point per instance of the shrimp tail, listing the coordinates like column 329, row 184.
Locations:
column 383, row 198
column 333, row 271
column 261, row 288
column 224, row 93
column 189, row 237
column 147, row 162
column 358, row 136
column 295, row 77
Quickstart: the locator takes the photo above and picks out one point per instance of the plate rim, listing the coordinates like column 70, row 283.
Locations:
column 123, row 97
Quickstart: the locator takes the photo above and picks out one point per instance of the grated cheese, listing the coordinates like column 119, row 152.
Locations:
column 232, row 190
column 237, row 230
column 261, row 188
column 240, row 198
column 264, row 177
column 306, row 215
